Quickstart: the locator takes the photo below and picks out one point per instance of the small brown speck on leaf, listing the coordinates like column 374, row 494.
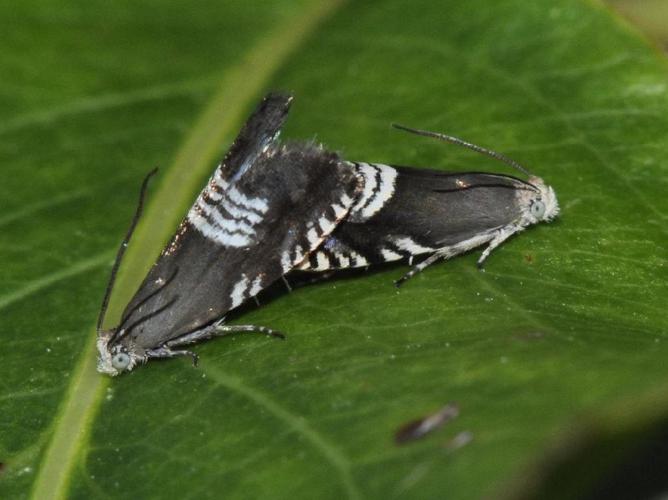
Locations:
column 417, row 429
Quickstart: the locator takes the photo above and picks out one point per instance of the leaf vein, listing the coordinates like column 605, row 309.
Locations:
column 333, row 455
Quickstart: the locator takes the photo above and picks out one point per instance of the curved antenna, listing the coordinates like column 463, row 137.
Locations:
column 460, row 142
column 122, row 248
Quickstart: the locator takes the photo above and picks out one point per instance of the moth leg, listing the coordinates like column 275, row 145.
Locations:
column 418, row 268
column 286, row 283
column 165, row 352
column 219, row 330
column 501, row 236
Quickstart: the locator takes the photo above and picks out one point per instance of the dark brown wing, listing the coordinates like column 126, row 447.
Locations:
column 264, row 210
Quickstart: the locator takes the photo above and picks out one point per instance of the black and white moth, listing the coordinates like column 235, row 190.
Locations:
column 405, row 212
column 272, row 208
column 266, row 207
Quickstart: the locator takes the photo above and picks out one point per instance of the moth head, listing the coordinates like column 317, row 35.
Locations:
column 114, row 358
column 538, row 204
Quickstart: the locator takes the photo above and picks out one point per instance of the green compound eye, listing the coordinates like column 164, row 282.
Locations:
column 120, row 361
column 537, row 209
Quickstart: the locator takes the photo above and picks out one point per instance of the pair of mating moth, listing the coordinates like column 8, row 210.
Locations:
column 272, row 208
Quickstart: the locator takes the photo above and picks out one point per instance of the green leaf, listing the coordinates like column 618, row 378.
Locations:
column 650, row 16
column 619, row 452
column 566, row 319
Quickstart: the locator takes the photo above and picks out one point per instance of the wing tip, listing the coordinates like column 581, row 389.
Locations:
column 277, row 99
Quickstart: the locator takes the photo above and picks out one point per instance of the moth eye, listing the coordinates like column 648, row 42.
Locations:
column 537, row 209
column 120, row 361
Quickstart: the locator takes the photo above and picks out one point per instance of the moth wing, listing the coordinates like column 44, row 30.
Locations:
column 260, row 131
column 428, row 210
column 449, row 207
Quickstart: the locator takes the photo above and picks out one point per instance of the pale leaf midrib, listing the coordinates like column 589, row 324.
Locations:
column 218, row 121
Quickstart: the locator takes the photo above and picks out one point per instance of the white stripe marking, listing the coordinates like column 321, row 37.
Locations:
column 388, row 177
column 235, row 230
column 240, row 213
column 256, row 204
column 215, row 233
column 407, row 244
column 344, row 261
column 375, row 194
column 286, row 261
column 239, row 290
column 357, row 260
column 390, row 255
column 229, row 225
column 256, row 287
column 339, row 210
column 218, row 179
column 370, row 186
column 324, row 223
column 346, row 200
column 312, row 236
column 299, row 254
column 212, row 193
column 323, row 262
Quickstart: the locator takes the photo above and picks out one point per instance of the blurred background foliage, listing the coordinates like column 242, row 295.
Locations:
column 650, row 16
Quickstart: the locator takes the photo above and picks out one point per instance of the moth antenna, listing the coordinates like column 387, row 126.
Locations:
column 122, row 248
column 473, row 147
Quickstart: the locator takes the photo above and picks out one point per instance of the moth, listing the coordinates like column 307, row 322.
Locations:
column 405, row 212
column 266, row 207
column 272, row 208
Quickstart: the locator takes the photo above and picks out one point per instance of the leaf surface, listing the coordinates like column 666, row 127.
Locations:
column 566, row 318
